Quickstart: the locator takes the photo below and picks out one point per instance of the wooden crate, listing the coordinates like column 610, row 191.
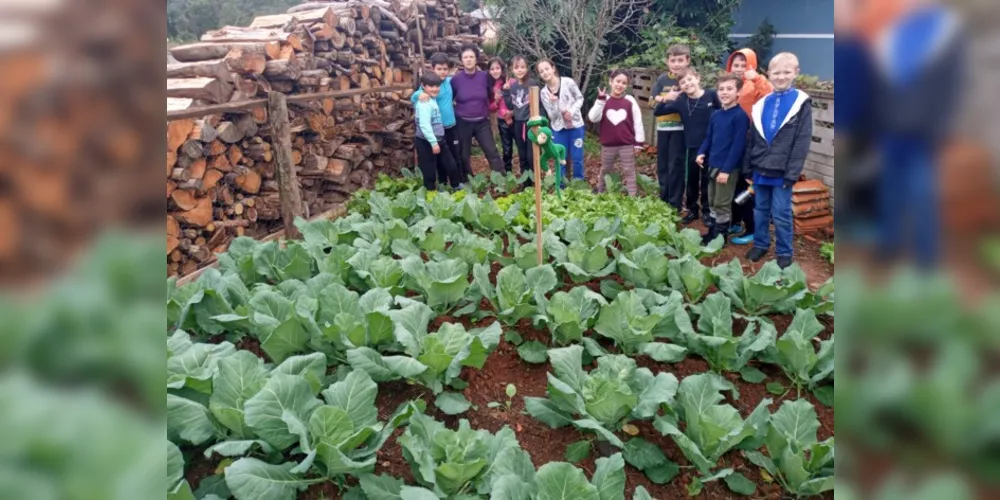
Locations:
column 819, row 164
column 642, row 89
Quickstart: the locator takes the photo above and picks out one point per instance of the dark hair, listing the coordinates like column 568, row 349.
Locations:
column 467, row 48
column 729, row 77
column 619, row 71
column 440, row 58
column 679, row 49
column 514, row 60
column 489, row 66
column 739, row 55
column 550, row 63
column 430, row 79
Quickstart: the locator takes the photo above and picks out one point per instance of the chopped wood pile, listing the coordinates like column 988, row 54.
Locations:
column 221, row 168
column 811, row 206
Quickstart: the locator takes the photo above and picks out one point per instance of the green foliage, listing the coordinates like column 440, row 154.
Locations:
column 187, row 20
column 709, row 46
column 801, row 463
column 827, row 251
column 602, row 400
column 712, row 428
column 762, row 41
column 804, row 364
column 715, row 340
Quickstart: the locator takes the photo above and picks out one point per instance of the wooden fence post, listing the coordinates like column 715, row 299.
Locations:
column 533, row 97
column 288, row 182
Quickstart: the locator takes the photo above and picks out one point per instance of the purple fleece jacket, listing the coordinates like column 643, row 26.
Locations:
column 472, row 96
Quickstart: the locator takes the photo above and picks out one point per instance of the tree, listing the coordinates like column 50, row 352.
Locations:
column 573, row 33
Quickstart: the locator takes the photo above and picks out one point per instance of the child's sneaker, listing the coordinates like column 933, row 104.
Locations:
column 689, row 218
column 746, row 239
column 784, row 262
column 735, row 229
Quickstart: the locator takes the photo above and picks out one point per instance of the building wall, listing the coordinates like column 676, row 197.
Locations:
column 804, row 27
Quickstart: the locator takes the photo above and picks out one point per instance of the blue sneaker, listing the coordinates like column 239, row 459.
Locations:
column 735, row 229
column 746, row 239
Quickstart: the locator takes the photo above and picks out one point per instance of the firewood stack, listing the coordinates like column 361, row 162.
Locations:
column 811, row 206
column 220, row 168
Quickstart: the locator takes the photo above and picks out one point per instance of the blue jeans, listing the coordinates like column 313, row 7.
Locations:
column 773, row 202
column 572, row 140
column 908, row 196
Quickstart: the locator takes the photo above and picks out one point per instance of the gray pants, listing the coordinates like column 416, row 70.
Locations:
column 721, row 196
column 625, row 154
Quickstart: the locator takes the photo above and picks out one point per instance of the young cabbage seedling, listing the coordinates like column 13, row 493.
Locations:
column 511, row 392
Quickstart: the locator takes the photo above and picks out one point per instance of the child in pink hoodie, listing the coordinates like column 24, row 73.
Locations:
column 501, row 113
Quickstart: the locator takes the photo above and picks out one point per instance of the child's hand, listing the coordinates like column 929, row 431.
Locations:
column 424, row 97
column 751, row 74
column 602, row 93
column 436, row 148
column 567, row 116
column 498, row 95
column 506, row 85
column 700, row 160
column 722, row 178
column 672, row 96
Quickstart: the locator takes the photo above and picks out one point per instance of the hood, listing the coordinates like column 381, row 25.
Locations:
column 749, row 54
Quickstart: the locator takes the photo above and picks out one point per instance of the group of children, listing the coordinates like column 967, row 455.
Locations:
column 748, row 133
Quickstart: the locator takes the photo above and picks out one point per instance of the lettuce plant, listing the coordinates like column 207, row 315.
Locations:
column 432, row 359
column 800, row 462
column 715, row 340
column 712, row 428
column 570, row 314
column 443, row 284
column 602, row 400
column 628, row 322
column 517, row 293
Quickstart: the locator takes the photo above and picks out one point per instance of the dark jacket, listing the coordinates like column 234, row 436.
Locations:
column 517, row 100
column 786, row 155
column 695, row 117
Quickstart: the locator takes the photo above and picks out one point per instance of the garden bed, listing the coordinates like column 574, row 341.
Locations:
column 433, row 307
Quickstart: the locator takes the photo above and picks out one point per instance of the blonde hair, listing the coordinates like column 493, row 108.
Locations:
column 784, row 57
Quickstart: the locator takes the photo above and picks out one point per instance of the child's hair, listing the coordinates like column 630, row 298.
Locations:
column 784, row 57
column 679, row 49
column 489, row 67
column 729, row 77
column 739, row 55
column 514, row 60
column 430, row 79
column 618, row 71
column 440, row 58
column 688, row 71
column 549, row 62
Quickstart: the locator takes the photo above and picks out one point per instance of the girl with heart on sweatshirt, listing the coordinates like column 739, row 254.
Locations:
column 621, row 132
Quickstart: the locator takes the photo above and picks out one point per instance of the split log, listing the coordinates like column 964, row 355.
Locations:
column 249, row 180
column 204, row 51
column 211, row 179
column 185, row 200
column 237, row 34
column 207, row 89
column 212, row 68
column 215, row 148
column 323, row 14
column 192, row 149
column 203, row 131
column 197, row 168
column 283, row 69
column 230, row 133
column 179, row 104
column 245, row 62
column 234, row 154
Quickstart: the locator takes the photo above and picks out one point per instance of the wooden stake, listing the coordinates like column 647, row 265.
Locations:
column 288, row 183
column 536, row 157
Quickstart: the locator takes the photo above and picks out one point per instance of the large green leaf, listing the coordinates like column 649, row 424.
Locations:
column 311, row 366
column 645, row 267
column 331, row 430
column 252, row 479
column 626, row 321
column 690, row 276
column 410, row 325
column 609, row 477
column 189, row 420
column 570, row 313
column 452, row 403
column 562, row 481
column 567, row 363
column 642, row 454
column 282, row 393
column 381, row 487
column 546, row 411
column 355, row 395
column 195, row 365
column 175, row 465
column 655, row 391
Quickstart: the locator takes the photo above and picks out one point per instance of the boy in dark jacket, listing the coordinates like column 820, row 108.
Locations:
column 695, row 107
column 669, row 128
column 780, row 136
column 723, row 153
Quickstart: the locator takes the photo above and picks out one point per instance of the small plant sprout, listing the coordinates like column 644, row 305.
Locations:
column 511, row 391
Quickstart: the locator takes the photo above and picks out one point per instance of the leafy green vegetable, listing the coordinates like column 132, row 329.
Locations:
column 712, row 428
column 578, row 451
column 688, row 242
column 570, row 314
column 691, row 277
column 627, row 321
column 451, row 462
column 644, row 267
column 602, row 400
column 532, row 352
column 805, row 365
column 770, row 290
column 442, row 283
column 803, row 465
column 716, row 342
column 517, row 293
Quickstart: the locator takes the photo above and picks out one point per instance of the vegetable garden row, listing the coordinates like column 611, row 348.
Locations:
column 415, row 349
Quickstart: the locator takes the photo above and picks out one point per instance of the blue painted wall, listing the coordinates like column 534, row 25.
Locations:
column 793, row 17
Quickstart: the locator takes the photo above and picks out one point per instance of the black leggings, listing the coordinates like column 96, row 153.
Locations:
column 481, row 130
column 520, row 130
column 431, row 163
column 697, row 185
column 506, row 142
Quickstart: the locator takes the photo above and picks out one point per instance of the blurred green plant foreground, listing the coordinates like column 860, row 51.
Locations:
column 83, row 389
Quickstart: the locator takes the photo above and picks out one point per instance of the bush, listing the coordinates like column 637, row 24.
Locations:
column 707, row 52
